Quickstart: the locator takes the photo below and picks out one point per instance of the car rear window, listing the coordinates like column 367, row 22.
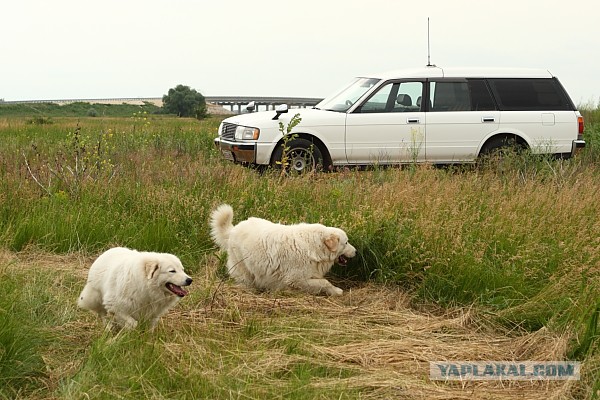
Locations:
column 530, row 94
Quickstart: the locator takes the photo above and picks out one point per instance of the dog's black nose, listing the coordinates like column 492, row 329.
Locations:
column 188, row 281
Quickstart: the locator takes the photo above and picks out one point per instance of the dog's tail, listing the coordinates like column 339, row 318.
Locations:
column 221, row 223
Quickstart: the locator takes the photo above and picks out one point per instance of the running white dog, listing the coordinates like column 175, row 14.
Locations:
column 268, row 256
column 134, row 286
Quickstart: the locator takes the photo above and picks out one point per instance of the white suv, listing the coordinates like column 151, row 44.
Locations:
column 432, row 114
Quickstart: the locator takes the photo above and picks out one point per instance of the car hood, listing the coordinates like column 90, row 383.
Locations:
column 309, row 117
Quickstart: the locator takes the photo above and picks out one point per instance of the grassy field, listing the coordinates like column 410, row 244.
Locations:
column 452, row 265
column 35, row 112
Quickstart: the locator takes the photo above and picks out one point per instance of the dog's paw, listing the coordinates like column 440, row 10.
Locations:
column 130, row 325
column 335, row 291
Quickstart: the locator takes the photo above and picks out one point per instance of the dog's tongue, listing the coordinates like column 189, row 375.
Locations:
column 178, row 290
column 342, row 260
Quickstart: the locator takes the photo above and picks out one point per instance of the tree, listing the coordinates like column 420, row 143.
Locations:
column 185, row 102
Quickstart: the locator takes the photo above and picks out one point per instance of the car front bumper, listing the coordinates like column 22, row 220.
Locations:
column 235, row 151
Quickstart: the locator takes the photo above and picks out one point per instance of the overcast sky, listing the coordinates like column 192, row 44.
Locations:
column 78, row 49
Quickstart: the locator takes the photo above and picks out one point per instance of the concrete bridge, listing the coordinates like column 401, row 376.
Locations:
column 267, row 102
column 235, row 103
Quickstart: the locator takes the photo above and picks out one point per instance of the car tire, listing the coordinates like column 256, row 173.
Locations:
column 298, row 156
column 500, row 143
column 498, row 150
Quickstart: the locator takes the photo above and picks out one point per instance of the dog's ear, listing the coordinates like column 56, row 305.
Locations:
column 151, row 268
column 332, row 242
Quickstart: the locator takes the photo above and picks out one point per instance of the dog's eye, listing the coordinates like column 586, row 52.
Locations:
column 172, row 271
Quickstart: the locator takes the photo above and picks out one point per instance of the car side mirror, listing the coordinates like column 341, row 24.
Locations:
column 281, row 109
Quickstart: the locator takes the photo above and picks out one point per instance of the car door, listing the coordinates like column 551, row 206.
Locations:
column 461, row 114
column 388, row 127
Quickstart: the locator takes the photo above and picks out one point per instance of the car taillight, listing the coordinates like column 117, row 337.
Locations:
column 580, row 127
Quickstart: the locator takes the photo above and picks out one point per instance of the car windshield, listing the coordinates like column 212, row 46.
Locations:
column 342, row 101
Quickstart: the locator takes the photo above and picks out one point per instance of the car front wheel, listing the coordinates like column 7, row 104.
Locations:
column 298, row 156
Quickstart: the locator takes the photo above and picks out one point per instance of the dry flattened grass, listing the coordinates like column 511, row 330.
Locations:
column 370, row 341
column 372, row 333
column 35, row 258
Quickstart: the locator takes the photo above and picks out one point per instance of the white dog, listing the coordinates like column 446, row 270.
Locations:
column 269, row 256
column 134, row 286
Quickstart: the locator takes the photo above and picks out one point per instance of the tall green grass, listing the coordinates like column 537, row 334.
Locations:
column 21, row 364
column 154, row 183
column 521, row 243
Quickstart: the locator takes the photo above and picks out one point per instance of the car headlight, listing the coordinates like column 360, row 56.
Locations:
column 244, row 132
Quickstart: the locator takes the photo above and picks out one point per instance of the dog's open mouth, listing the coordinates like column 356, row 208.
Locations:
column 342, row 260
column 177, row 290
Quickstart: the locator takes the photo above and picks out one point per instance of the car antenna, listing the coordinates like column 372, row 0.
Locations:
column 429, row 64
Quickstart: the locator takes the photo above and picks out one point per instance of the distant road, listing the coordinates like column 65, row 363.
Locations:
column 233, row 102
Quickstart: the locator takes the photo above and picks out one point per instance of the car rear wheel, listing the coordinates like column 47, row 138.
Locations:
column 500, row 151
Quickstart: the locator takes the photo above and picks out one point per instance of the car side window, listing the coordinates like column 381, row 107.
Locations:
column 408, row 97
column 449, row 96
column 394, row 97
column 481, row 98
column 471, row 95
column 377, row 103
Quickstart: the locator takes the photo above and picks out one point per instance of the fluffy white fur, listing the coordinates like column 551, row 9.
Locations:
column 133, row 286
column 269, row 256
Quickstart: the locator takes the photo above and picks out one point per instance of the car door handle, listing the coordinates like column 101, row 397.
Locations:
column 488, row 119
column 412, row 120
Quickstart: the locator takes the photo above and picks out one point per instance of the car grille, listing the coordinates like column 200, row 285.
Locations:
column 228, row 131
